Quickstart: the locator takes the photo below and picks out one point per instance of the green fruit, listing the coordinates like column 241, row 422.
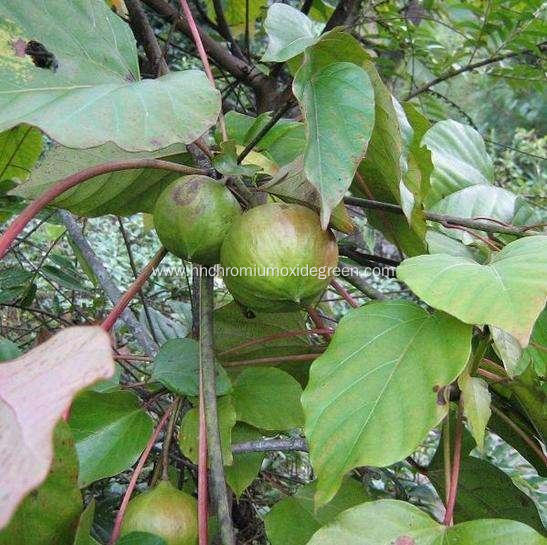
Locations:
column 281, row 244
column 192, row 216
column 166, row 512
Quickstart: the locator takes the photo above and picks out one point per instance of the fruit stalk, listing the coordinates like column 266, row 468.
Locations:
column 207, row 368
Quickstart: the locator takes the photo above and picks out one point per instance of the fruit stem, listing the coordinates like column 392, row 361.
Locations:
column 58, row 188
column 316, row 319
column 136, row 473
column 207, row 368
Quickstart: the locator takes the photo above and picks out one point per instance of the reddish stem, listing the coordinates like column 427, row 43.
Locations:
column 74, row 179
column 138, row 469
column 126, row 298
column 277, row 336
column 344, row 293
column 202, row 470
column 273, row 360
column 202, row 55
column 316, row 319
column 456, row 462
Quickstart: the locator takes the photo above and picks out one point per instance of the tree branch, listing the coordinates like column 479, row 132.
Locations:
column 144, row 33
column 106, row 282
column 468, row 67
column 238, row 68
column 208, row 371
column 446, row 220
column 267, row 445
column 224, row 29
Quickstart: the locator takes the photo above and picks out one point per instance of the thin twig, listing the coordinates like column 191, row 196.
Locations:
column 273, row 360
column 267, row 445
column 344, row 293
column 107, row 284
column 128, row 296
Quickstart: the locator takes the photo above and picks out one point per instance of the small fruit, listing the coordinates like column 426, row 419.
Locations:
column 276, row 256
column 166, row 512
column 192, row 216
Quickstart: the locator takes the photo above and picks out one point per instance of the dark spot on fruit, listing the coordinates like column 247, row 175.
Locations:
column 184, row 194
column 41, row 57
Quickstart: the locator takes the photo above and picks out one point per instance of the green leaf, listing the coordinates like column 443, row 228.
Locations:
column 246, row 465
column 289, row 32
column 89, row 93
column 121, row 193
column 293, row 520
column 111, row 431
column 189, row 430
column 509, row 351
column 484, row 491
column 49, row 514
column 476, row 405
column 291, row 185
column 509, row 292
column 459, row 159
column 20, row 148
column 337, row 101
column 268, row 398
column 282, row 143
column 64, row 278
column 378, row 378
column 392, row 522
column 176, row 366
column 83, row 531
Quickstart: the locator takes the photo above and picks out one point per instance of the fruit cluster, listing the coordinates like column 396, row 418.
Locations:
column 270, row 254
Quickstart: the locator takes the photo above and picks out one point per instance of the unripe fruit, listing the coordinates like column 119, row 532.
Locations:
column 166, row 512
column 192, row 216
column 281, row 243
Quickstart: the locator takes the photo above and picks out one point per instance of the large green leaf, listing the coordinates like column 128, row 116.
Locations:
column 459, row 159
column 189, row 430
column 49, row 515
column 392, row 522
column 176, row 366
column 378, row 378
column 509, row 292
column 337, row 101
column 20, row 148
column 89, row 93
column 122, row 193
column 293, row 520
column 484, row 491
column 111, row 431
column 289, row 32
column 268, row 398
